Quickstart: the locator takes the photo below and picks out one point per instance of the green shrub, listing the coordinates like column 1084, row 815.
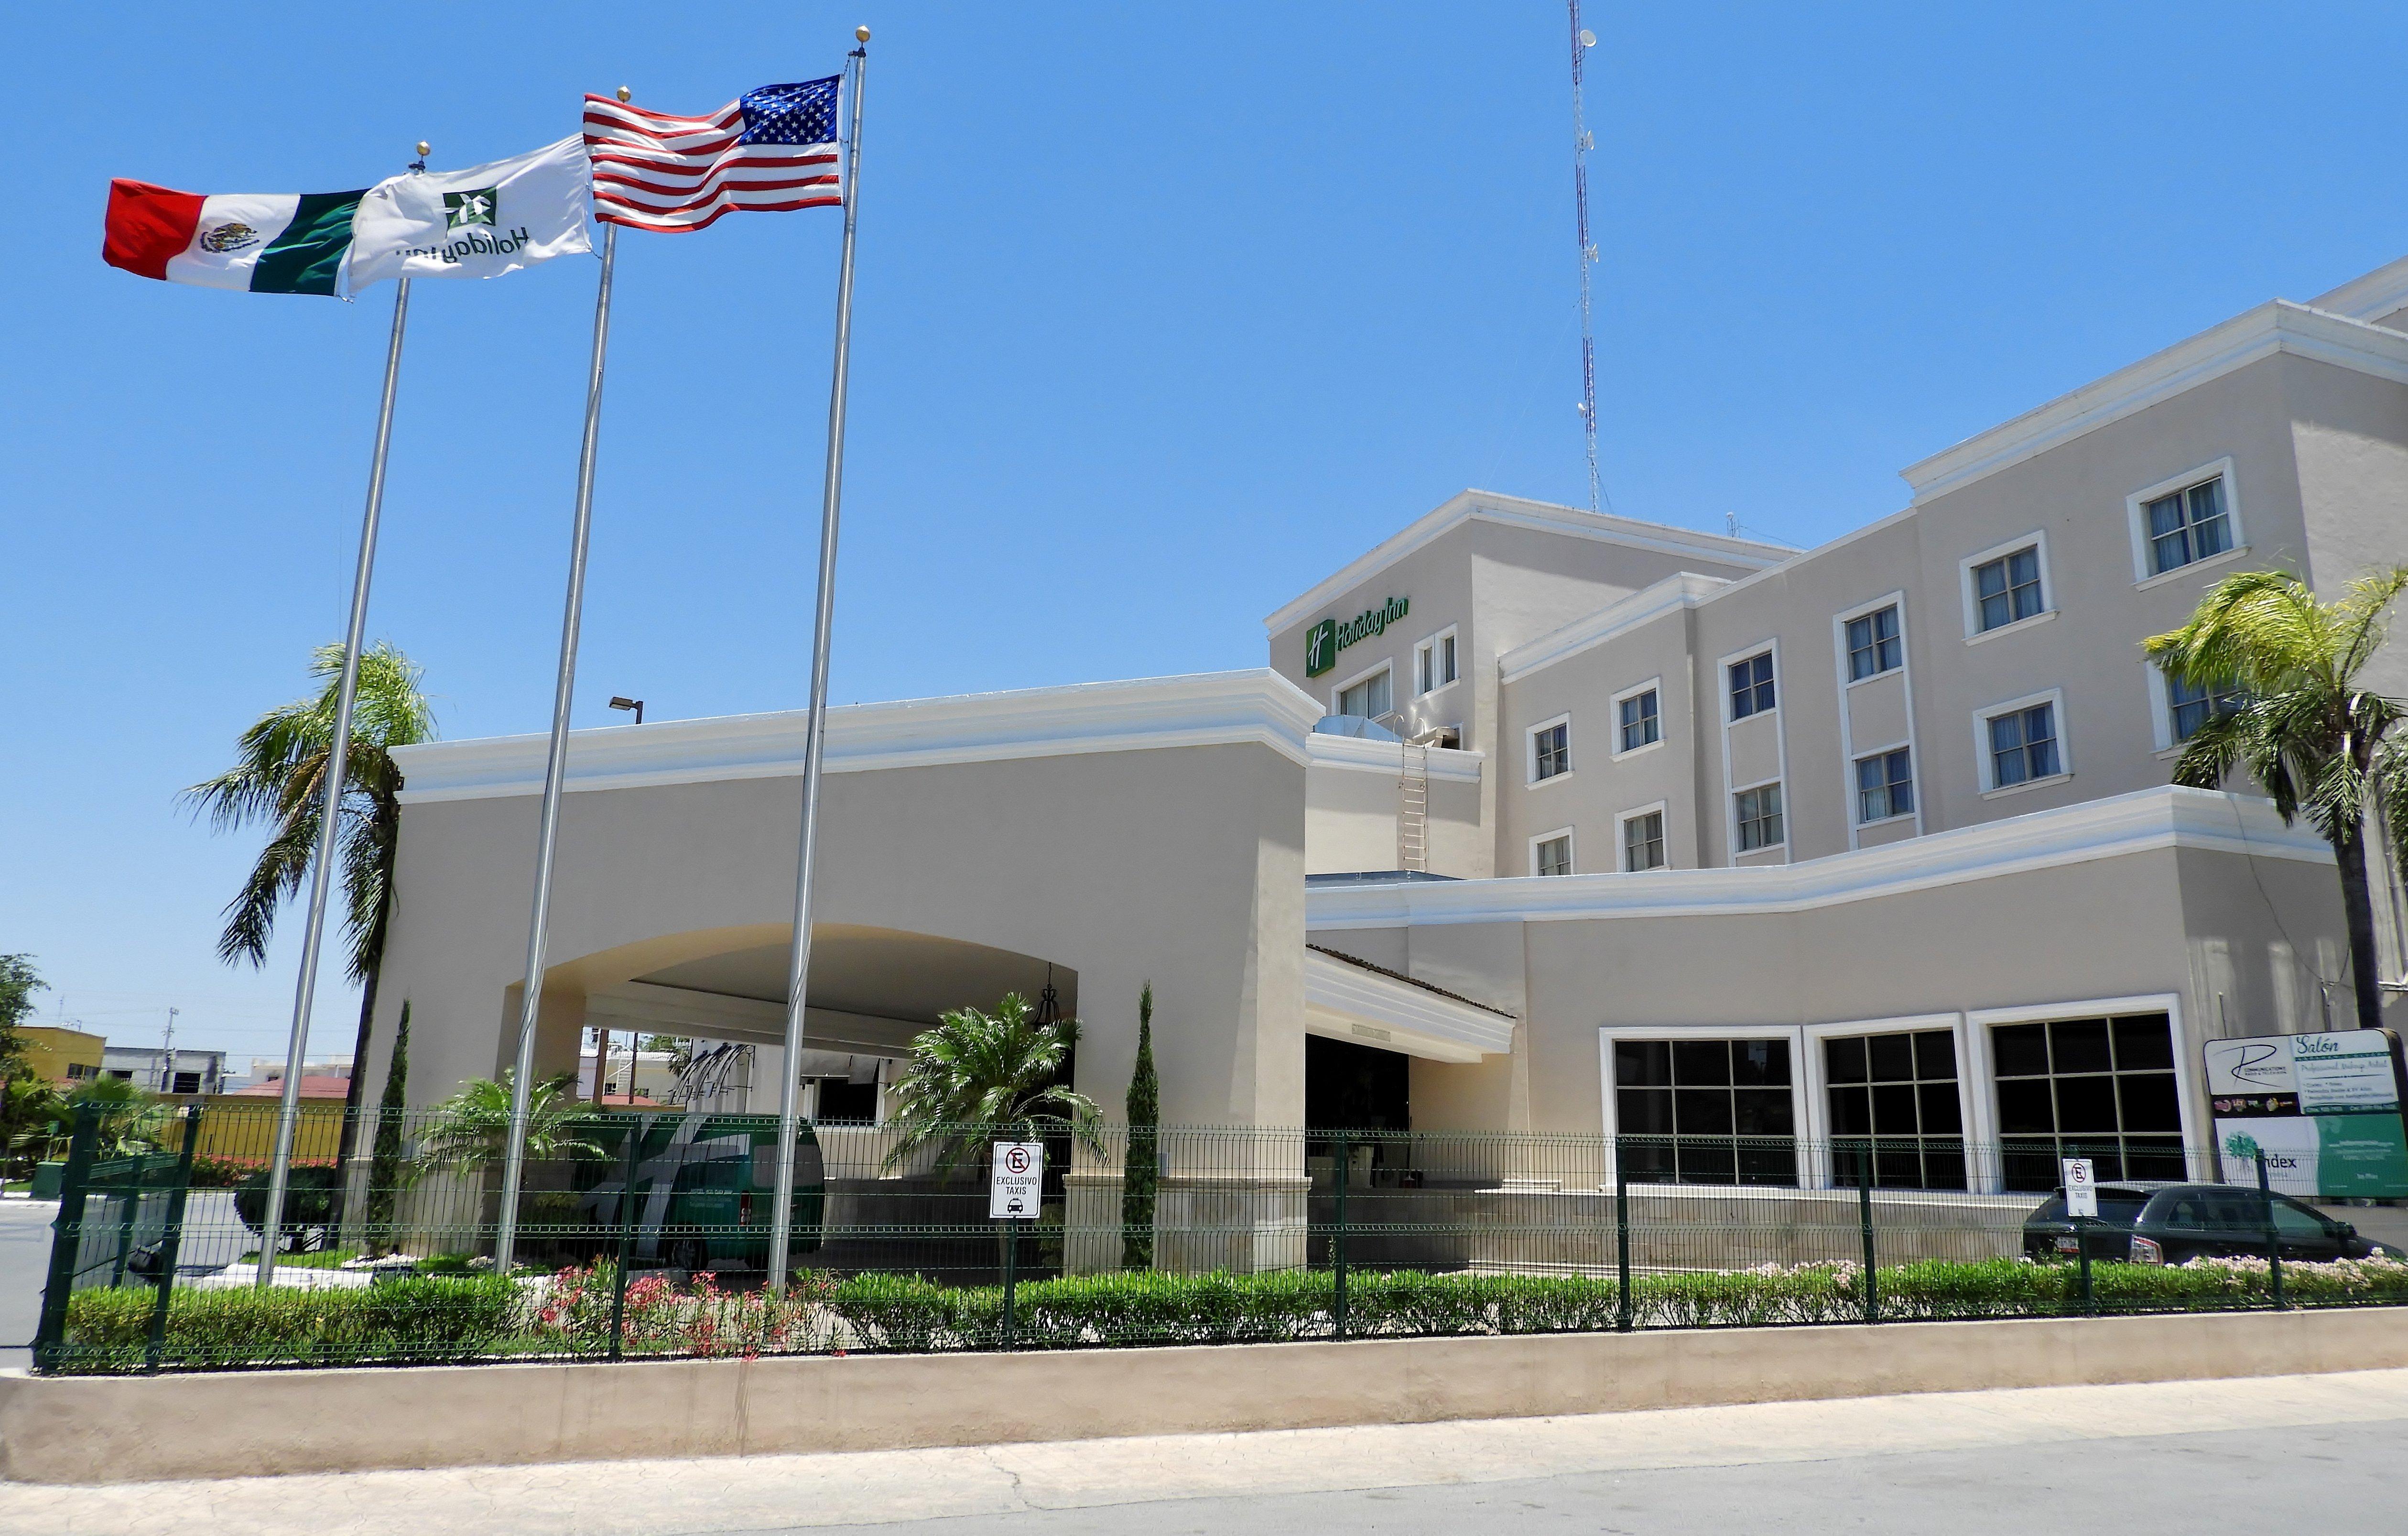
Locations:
column 401, row 1320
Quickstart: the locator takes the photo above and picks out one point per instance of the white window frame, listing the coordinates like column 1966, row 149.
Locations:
column 1530, row 751
column 1819, row 1097
column 1428, row 647
column 1732, row 801
column 1840, row 622
column 1622, row 839
column 1914, row 783
column 1904, row 672
column 2055, row 698
column 1779, row 745
column 1656, row 687
column 1388, row 666
column 2136, row 519
column 1608, row 1036
column 1571, row 849
column 2162, row 707
column 2197, row 1133
column 1974, row 633
column 1721, row 678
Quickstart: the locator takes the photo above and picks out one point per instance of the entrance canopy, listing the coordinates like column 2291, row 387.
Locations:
column 1351, row 999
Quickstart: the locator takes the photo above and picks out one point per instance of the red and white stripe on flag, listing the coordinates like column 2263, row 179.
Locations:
column 656, row 170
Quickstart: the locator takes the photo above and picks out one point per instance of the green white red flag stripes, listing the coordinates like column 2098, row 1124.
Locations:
column 267, row 242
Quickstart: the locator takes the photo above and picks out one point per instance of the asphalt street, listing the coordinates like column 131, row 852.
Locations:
column 2180, row 1457
column 24, row 1255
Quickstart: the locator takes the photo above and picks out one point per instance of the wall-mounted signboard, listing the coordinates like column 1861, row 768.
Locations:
column 2324, row 1108
column 1323, row 641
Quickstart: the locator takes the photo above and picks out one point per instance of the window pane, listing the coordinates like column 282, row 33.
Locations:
column 1935, row 1054
column 1708, row 1162
column 1941, row 1113
column 2081, row 1045
column 2086, row 1106
column 1760, row 1062
column 1852, row 1110
column 1645, row 1112
column 2149, row 1102
column 2145, row 1042
column 2021, row 1049
column 1642, row 1063
column 2025, row 1107
column 1446, row 659
column 1700, row 1063
column 1894, row 1108
column 1843, row 1059
column 1767, row 1163
column 1764, row 1112
column 1701, row 1112
column 1892, row 1058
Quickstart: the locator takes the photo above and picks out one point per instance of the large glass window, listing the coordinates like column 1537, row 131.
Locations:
column 2007, row 589
column 1872, row 643
column 2095, row 1088
column 2023, row 746
column 1642, row 842
column 1551, row 750
column 1368, row 698
column 1897, row 1091
column 2188, row 526
column 1750, row 687
column 1759, row 814
column 1706, row 1110
column 1640, row 725
column 1884, row 786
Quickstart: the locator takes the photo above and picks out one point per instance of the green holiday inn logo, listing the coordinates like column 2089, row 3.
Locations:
column 463, row 208
column 1323, row 641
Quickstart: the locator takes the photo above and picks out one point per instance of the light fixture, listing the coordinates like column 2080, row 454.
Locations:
column 620, row 702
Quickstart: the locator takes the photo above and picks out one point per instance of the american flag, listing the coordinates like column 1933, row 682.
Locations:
column 768, row 150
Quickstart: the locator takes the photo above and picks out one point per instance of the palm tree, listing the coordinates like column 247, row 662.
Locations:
column 2315, row 740
column 130, row 1119
column 280, row 777
column 978, row 1074
column 469, row 1132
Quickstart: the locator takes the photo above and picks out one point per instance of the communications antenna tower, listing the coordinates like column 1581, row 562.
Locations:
column 1582, row 141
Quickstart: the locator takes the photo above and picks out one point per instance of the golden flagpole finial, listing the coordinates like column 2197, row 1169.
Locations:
column 423, row 148
column 625, row 94
column 862, row 34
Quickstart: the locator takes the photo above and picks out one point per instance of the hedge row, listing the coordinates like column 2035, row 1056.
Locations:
column 459, row 1319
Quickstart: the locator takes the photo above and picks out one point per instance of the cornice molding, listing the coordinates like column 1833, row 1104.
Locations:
column 2276, row 327
column 1387, row 758
column 1521, row 512
column 2144, row 820
column 1209, row 709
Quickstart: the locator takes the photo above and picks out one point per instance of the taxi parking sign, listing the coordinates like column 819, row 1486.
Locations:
column 1017, row 1182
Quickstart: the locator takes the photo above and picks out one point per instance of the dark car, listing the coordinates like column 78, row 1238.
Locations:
column 2145, row 1223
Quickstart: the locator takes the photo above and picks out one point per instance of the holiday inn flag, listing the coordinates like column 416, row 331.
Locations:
column 479, row 222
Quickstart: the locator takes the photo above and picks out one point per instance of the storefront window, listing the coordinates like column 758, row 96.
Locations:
column 1706, row 1110
column 1898, row 1092
column 2096, row 1088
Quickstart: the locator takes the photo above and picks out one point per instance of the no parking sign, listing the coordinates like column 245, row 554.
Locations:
column 1018, row 1181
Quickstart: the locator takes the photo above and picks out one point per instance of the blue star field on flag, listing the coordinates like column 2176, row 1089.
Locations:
column 791, row 114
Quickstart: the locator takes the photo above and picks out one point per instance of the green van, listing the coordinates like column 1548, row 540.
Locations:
column 703, row 1187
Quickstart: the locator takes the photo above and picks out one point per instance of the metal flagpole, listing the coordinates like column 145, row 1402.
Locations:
column 321, row 875
column 798, row 959
column 556, row 768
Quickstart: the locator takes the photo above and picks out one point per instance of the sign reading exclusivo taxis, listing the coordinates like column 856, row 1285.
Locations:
column 1323, row 641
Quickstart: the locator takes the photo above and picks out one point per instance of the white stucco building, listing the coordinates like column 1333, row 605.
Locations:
column 1689, row 835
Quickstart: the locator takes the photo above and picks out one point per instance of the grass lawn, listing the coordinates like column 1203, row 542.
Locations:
column 329, row 1258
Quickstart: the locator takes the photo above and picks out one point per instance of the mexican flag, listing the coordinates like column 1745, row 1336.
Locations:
column 267, row 242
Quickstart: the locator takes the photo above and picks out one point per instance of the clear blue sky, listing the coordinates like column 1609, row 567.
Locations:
column 1164, row 312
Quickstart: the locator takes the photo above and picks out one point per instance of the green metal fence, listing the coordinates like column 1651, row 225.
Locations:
column 645, row 1233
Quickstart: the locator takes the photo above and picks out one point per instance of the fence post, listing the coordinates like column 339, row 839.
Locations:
column 2273, row 1235
column 171, row 1240
column 2081, row 1253
column 1342, row 1166
column 1010, row 1280
column 67, row 1240
column 1864, row 1223
column 1622, row 1317
column 627, row 1232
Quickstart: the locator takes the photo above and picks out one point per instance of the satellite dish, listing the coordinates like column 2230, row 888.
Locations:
column 1588, row 39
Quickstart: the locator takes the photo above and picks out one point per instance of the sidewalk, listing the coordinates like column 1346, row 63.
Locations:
column 1015, row 1487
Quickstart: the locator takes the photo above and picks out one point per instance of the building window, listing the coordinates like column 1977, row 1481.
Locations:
column 2187, row 526
column 1552, row 855
column 1368, row 698
column 1760, row 817
column 1642, row 841
column 1551, row 750
column 1705, row 1110
column 1897, row 1092
column 2096, row 1088
column 77, row 1072
column 2007, row 590
column 1884, row 786
column 1434, row 663
column 1872, row 643
column 1642, row 723
column 2188, row 706
column 1751, row 686
column 187, row 1083
column 2023, row 746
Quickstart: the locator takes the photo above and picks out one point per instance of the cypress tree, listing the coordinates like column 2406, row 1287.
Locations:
column 1137, row 1173
column 384, row 1167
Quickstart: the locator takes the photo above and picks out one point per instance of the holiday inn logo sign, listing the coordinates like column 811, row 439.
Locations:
column 1323, row 641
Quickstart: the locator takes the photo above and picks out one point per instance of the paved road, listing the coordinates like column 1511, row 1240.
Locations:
column 24, row 1256
column 2171, row 1457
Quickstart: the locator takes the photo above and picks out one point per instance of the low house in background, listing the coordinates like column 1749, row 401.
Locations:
column 64, row 1057
column 189, row 1072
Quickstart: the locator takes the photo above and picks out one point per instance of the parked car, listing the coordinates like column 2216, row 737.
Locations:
column 2142, row 1222
column 705, row 1185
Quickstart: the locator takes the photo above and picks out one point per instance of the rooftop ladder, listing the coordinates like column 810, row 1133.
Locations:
column 1413, row 809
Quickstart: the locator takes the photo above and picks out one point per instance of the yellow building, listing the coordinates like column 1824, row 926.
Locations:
column 68, row 1057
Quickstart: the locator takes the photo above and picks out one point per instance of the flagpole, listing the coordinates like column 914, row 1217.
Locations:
column 322, row 874
column 555, row 767
column 798, row 957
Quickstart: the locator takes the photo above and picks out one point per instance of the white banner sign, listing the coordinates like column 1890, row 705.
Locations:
column 1017, row 1182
